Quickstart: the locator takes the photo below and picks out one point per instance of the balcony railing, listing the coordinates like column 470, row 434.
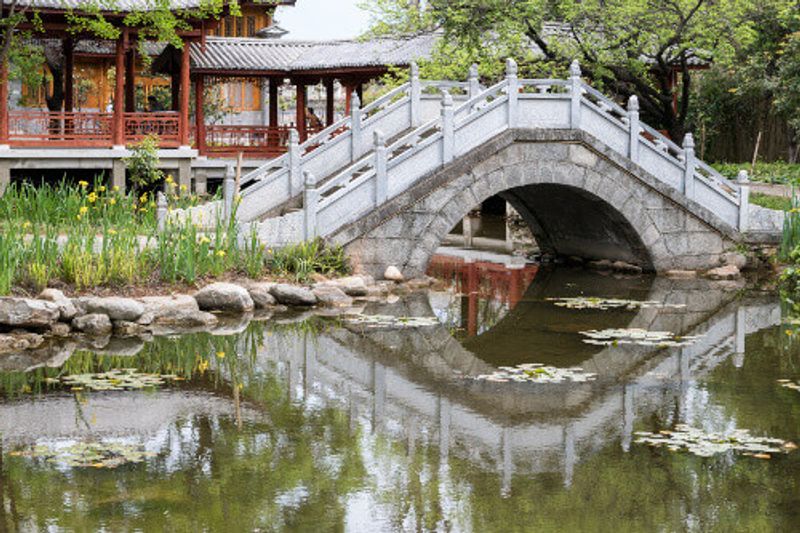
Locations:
column 33, row 128
column 266, row 142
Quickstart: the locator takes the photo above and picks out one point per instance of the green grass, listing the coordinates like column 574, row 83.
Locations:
column 780, row 203
column 86, row 236
column 777, row 172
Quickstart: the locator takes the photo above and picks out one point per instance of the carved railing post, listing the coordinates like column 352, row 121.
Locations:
column 355, row 128
column 635, row 128
column 415, row 96
column 744, row 200
column 448, row 128
column 161, row 210
column 310, row 205
column 690, row 165
column 295, row 162
column 513, row 91
column 473, row 82
column 381, row 174
column 228, row 191
column 575, row 89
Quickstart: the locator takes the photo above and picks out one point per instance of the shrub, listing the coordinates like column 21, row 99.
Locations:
column 143, row 163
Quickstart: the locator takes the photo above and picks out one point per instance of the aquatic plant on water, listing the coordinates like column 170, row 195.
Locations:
column 789, row 384
column 87, row 454
column 640, row 337
column 537, row 373
column 707, row 444
column 391, row 322
column 582, row 302
column 114, row 380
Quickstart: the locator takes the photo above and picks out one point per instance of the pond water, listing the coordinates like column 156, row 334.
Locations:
column 305, row 423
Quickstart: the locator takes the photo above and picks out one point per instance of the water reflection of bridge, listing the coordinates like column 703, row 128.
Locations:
column 406, row 383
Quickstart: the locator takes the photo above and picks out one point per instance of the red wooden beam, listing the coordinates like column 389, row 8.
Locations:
column 300, row 111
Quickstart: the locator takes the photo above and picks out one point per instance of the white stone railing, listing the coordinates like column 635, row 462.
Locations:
column 387, row 171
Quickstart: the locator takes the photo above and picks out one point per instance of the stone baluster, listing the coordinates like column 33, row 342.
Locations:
column 634, row 128
column 473, row 82
column 415, row 96
column 295, row 162
column 575, row 89
column 448, row 128
column 381, row 174
column 690, row 165
column 310, row 205
column 513, row 91
column 355, row 127
column 744, row 200
column 161, row 210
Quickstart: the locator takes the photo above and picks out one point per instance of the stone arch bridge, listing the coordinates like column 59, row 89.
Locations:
column 591, row 180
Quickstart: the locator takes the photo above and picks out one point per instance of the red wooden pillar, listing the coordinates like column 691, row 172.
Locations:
column 186, row 85
column 69, row 75
column 329, row 108
column 348, row 98
column 273, row 102
column 3, row 102
column 360, row 93
column 119, row 90
column 130, row 81
column 300, row 119
column 199, row 114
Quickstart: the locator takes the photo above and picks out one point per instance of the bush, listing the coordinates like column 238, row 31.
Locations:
column 143, row 163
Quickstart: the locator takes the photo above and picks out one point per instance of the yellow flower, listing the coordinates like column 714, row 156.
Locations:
column 733, row 90
column 92, row 197
column 170, row 179
column 221, row 355
column 26, row 224
column 203, row 366
column 102, row 188
column 83, row 210
column 116, row 188
column 221, row 253
column 112, row 231
column 143, row 199
column 113, row 201
column 183, row 187
column 78, row 217
column 83, row 184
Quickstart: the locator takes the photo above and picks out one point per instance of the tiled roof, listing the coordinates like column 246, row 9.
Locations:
column 253, row 55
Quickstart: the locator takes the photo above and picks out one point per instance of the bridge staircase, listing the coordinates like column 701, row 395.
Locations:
column 378, row 152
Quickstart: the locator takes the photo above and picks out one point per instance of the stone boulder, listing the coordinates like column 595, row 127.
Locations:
column 66, row 308
column 187, row 319
column 734, row 258
column 25, row 313
column 352, row 285
column 17, row 342
column 156, row 307
column 293, row 295
column 392, row 273
column 332, row 296
column 261, row 295
column 225, row 297
column 94, row 324
column 115, row 307
column 724, row 272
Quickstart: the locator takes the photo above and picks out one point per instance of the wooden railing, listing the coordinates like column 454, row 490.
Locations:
column 34, row 128
column 165, row 124
column 266, row 142
column 42, row 128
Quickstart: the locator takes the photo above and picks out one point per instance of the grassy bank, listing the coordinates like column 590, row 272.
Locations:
column 87, row 236
column 778, row 172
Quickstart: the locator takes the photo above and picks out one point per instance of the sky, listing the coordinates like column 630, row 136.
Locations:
column 323, row 19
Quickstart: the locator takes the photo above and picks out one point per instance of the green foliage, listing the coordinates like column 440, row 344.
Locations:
column 777, row 172
column 779, row 203
column 624, row 46
column 303, row 259
column 143, row 162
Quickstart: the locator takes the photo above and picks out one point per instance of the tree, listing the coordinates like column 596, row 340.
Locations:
column 648, row 48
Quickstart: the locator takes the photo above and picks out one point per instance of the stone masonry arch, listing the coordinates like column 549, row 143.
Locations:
column 578, row 196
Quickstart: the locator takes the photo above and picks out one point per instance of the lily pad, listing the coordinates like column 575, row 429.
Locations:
column 116, row 380
column 392, row 322
column 582, row 302
column 88, row 454
column 537, row 373
column 789, row 384
column 640, row 337
column 703, row 444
